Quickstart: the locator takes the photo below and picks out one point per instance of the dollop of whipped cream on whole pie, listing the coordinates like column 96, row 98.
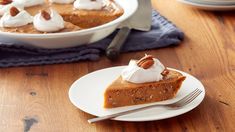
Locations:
column 142, row 71
column 46, row 22
column 29, row 3
column 88, row 4
column 15, row 18
column 62, row 1
column 5, row 6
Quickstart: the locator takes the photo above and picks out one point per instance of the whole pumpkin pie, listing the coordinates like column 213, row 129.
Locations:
column 143, row 81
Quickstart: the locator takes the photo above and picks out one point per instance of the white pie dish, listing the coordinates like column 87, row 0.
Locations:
column 225, row 6
column 71, row 39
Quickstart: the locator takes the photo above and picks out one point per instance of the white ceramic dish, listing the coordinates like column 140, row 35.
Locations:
column 70, row 39
column 88, row 96
column 208, row 6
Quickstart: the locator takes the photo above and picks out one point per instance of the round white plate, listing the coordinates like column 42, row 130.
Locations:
column 87, row 94
column 214, row 2
column 207, row 6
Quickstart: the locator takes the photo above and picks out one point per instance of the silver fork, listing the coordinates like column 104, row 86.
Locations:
column 182, row 102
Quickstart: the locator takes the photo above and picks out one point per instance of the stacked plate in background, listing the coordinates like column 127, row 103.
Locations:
column 211, row 4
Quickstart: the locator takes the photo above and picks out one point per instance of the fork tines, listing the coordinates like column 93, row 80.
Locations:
column 189, row 98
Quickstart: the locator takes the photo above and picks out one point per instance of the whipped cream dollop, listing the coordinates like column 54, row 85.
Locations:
column 62, row 1
column 135, row 74
column 88, row 4
column 29, row 3
column 21, row 19
column 6, row 8
column 55, row 23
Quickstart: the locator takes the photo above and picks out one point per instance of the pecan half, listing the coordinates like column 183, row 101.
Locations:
column 146, row 62
column 45, row 15
column 14, row 11
column 5, row 2
column 165, row 72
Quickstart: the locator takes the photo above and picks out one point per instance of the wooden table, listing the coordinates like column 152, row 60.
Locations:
column 36, row 97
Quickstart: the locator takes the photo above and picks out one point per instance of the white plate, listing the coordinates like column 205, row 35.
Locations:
column 70, row 39
column 214, row 2
column 207, row 6
column 87, row 94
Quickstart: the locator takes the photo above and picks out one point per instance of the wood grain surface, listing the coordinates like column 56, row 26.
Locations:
column 36, row 99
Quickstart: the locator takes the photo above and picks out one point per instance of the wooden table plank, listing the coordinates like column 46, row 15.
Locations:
column 39, row 94
column 210, row 40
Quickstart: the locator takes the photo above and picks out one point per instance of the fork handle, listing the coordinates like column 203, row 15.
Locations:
column 122, row 113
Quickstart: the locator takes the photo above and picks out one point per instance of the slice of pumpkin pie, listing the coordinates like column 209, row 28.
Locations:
column 143, row 81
